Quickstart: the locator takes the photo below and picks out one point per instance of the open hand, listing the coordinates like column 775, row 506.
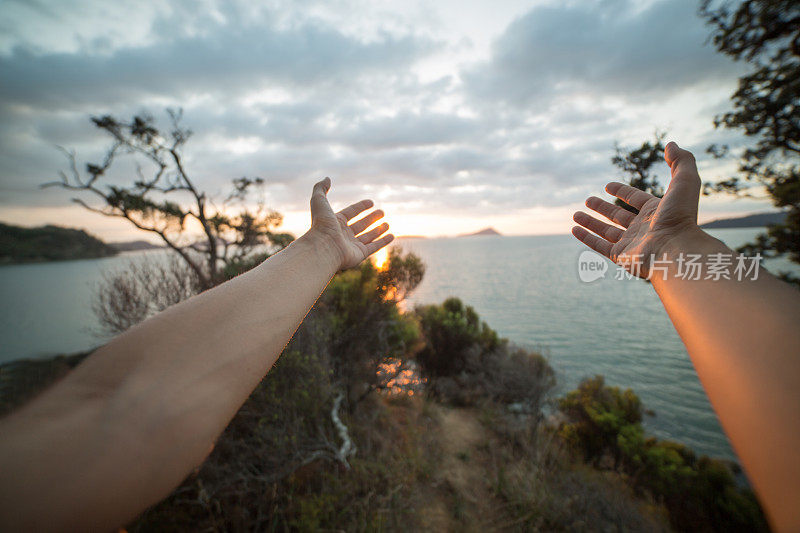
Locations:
column 349, row 240
column 659, row 222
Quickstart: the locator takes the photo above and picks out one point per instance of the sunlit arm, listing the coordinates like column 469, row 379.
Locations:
column 128, row 424
column 743, row 335
column 744, row 340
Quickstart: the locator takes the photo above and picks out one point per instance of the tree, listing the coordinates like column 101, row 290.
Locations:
column 637, row 166
column 766, row 108
column 167, row 200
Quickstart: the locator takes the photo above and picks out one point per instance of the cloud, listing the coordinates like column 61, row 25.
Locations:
column 226, row 63
column 611, row 47
column 290, row 93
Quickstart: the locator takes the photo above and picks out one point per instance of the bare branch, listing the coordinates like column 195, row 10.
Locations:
column 145, row 204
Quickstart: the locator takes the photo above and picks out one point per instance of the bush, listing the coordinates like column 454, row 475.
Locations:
column 357, row 319
column 146, row 286
column 465, row 361
column 700, row 494
column 600, row 419
column 455, row 337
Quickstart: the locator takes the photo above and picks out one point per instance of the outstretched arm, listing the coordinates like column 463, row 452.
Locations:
column 743, row 336
column 132, row 421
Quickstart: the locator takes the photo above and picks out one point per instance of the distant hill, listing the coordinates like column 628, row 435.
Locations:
column 758, row 220
column 48, row 243
column 134, row 246
column 485, row 231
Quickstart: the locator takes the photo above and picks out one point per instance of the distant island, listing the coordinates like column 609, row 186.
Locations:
column 484, row 231
column 758, row 220
column 49, row 243
column 134, row 246
column 57, row 243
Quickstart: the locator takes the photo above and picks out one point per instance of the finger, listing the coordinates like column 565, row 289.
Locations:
column 360, row 225
column 685, row 183
column 630, row 195
column 352, row 210
column 606, row 231
column 319, row 199
column 614, row 213
column 374, row 246
column 373, row 234
column 322, row 186
column 592, row 241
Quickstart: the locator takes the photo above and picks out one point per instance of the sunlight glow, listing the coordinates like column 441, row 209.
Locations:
column 380, row 257
column 399, row 377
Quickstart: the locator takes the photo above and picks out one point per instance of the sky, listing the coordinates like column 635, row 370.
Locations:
column 451, row 115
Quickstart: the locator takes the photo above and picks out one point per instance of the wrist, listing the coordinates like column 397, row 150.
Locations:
column 692, row 240
column 683, row 257
column 324, row 246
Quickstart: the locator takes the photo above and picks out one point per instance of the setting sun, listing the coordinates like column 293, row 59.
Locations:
column 380, row 257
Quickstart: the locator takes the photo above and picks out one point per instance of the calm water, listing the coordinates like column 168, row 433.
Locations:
column 525, row 287
column 528, row 289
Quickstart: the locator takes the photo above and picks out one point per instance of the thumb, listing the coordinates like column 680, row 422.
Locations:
column 319, row 198
column 685, row 183
column 322, row 186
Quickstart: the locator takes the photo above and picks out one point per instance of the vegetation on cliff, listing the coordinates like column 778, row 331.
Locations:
column 603, row 425
column 48, row 243
column 380, row 418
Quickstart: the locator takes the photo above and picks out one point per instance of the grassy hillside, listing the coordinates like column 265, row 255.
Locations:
column 48, row 243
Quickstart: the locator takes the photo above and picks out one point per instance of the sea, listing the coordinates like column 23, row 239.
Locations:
column 528, row 288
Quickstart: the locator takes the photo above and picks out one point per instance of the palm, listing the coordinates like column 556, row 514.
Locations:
column 352, row 243
column 644, row 235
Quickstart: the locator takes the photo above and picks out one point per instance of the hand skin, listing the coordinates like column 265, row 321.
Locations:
column 123, row 429
column 742, row 336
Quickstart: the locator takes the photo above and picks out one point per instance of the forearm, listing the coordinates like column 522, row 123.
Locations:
column 744, row 340
column 155, row 398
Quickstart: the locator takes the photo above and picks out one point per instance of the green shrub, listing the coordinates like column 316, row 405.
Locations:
column 601, row 419
column 465, row 361
column 700, row 494
column 453, row 333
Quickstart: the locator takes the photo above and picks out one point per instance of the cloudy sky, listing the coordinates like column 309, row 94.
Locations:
column 452, row 115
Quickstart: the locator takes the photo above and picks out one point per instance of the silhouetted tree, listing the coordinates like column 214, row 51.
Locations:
column 165, row 200
column 637, row 166
column 766, row 108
